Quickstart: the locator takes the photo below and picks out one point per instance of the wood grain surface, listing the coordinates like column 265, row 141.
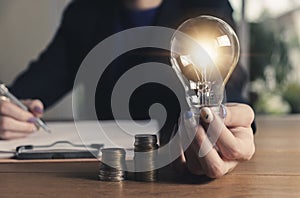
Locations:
column 274, row 171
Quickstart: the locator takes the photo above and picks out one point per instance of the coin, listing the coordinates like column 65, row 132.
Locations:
column 145, row 154
column 112, row 164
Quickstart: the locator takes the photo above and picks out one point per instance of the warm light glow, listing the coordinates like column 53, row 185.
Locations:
column 223, row 41
column 210, row 50
column 185, row 60
column 204, row 58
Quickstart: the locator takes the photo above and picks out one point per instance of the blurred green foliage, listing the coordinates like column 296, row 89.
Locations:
column 292, row 95
column 269, row 48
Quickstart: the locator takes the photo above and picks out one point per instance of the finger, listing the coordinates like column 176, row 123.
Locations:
column 212, row 164
column 179, row 164
column 192, row 161
column 245, row 141
column 238, row 115
column 11, row 110
column 10, row 124
column 175, row 148
column 230, row 146
column 35, row 106
column 9, row 135
column 187, row 128
column 4, row 98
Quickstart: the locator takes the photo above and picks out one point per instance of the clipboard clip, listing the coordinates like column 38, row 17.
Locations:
column 27, row 151
column 20, row 149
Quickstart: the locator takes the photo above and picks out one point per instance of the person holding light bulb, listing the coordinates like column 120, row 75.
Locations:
column 52, row 76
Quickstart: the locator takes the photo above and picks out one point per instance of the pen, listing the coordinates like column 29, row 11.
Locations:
column 5, row 92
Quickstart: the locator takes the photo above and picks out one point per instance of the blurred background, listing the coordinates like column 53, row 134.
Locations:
column 270, row 34
column 269, row 31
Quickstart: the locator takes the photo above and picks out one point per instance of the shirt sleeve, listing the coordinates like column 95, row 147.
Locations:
column 50, row 76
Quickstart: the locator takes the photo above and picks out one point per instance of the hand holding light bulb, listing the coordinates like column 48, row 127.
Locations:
column 204, row 52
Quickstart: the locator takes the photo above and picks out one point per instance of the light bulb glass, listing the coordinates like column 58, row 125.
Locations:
column 204, row 52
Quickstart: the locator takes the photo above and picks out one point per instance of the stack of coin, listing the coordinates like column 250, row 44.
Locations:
column 145, row 154
column 112, row 164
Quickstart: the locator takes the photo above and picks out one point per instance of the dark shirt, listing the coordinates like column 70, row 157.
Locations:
column 85, row 24
column 136, row 18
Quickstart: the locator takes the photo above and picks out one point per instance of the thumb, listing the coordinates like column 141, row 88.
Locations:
column 35, row 106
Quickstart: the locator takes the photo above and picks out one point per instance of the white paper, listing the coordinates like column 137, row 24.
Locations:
column 110, row 133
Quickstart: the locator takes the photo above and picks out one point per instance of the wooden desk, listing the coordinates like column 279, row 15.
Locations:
column 273, row 172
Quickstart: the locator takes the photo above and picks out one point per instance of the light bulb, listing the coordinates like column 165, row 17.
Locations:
column 204, row 52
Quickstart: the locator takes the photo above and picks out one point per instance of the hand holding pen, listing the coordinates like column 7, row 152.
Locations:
column 19, row 119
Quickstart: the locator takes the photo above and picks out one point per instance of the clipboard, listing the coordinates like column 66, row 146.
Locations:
column 69, row 151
